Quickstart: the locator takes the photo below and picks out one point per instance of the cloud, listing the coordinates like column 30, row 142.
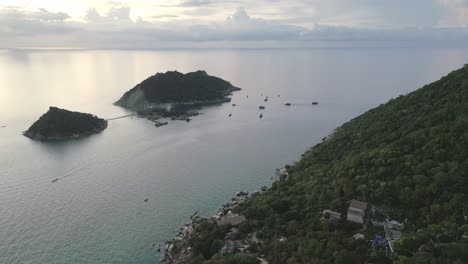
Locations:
column 407, row 36
column 119, row 13
column 237, row 27
column 164, row 16
column 116, row 28
column 455, row 15
column 194, row 3
column 44, row 15
column 200, row 12
column 114, row 14
column 240, row 16
column 93, row 15
column 15, row 22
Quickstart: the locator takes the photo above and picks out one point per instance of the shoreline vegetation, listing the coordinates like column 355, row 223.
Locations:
column 60, row 124
column 393, row 178
column 227, row 221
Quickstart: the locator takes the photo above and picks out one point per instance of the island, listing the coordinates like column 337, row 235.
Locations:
column 174, row 87
column 60, row 124
column 389, row 186
column 175, row 95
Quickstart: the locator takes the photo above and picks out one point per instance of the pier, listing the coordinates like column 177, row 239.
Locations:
column 119, row 117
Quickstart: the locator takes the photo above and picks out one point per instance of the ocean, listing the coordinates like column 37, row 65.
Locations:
column 95, row 212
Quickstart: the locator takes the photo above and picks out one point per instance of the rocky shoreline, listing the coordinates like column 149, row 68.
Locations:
column 182, row 111
column 178, row 250
column 40, row 137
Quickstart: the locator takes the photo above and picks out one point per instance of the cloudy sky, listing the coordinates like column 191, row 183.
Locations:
column 231, row 23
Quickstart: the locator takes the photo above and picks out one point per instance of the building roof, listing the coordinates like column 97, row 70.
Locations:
column 331, row 213
column 357, row 205
column 356, row 213
column 358, row 236
column 232, row 220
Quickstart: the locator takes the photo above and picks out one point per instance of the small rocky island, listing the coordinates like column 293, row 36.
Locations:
column 60, row 124
column 175, row 95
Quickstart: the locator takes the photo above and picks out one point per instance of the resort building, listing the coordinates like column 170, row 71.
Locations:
column 357, row 211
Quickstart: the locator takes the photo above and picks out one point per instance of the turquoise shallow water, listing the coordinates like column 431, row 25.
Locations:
column 95, row 213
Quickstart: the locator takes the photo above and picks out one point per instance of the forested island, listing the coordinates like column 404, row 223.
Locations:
column 60, row 124
column 174, row 87
column 176, row 95
column 407, row 158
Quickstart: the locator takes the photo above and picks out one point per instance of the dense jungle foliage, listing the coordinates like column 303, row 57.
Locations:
column 408, row 156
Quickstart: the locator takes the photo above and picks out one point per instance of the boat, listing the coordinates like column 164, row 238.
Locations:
column 233, row 104
column 146, row 199
column 54, row 180
column 287, row 104
column 315, row 103
column 230, row 115
column 241, row 193
column 158, row 124
column 261, row 115
column 261, row 107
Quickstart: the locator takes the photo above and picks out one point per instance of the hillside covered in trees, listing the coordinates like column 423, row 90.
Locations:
column 176, row 87
column 61, row 124
column 408, row 156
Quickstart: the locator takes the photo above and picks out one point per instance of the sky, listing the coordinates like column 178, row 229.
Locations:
column 231, row 23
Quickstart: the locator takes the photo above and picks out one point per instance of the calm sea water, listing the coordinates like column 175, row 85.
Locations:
column 95, row 212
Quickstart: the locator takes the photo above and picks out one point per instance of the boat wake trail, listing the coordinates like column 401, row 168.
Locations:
column 71, row 173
